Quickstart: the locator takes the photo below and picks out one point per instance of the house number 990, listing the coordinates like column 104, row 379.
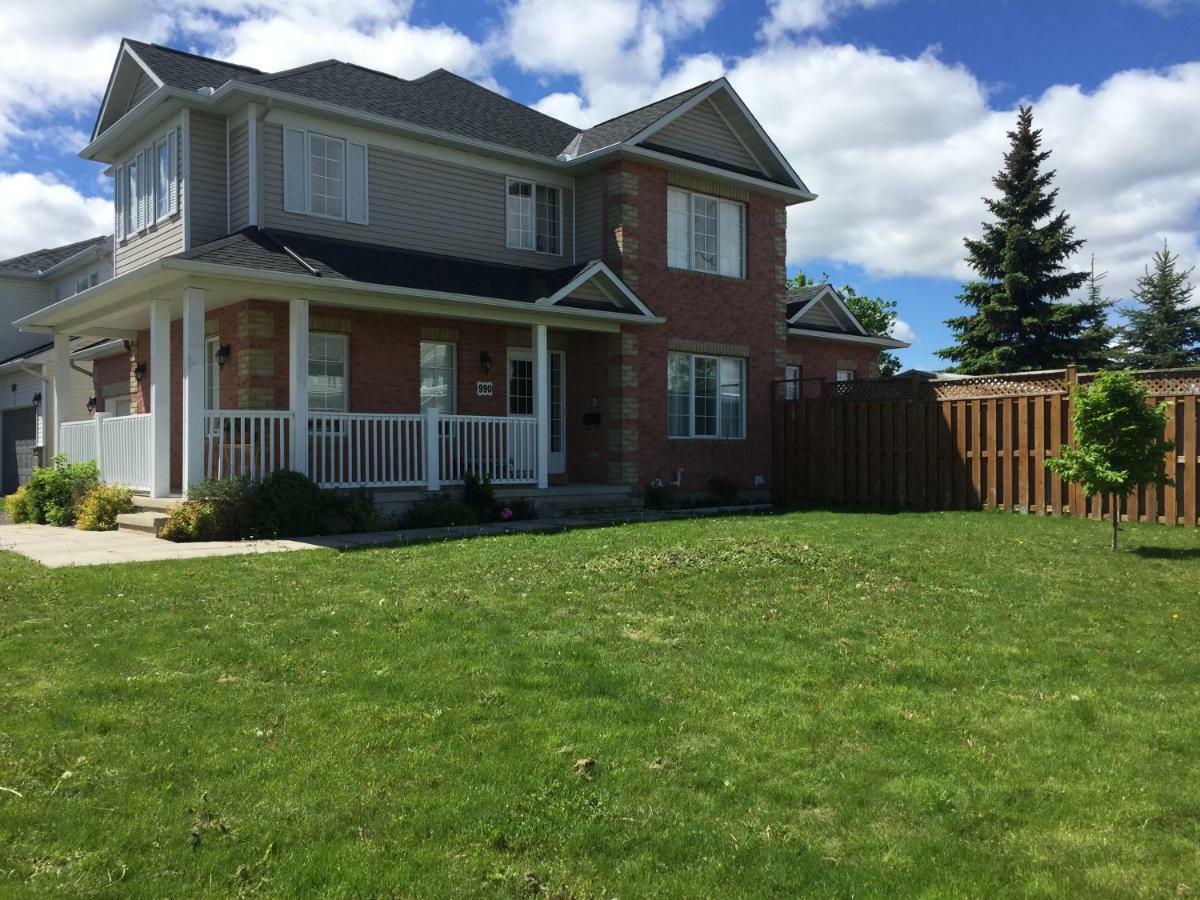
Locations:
column 484, row 389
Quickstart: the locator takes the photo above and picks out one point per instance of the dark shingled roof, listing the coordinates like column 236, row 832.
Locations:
column 440, row 100
column 626, row 125
column 797, row 297
column 41, row 260
column 255, row 248
column 187, row 70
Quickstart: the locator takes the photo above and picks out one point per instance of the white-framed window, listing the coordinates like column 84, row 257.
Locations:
column 120, row 405
column 845, row 374
column 520, row 384
column 533, row 216
column 791, row 385
column 324, row 175
column 706, row 234
column 706, row 396
column 438, row 376
column 212, row 373
column 146, row 186
column 327, row 372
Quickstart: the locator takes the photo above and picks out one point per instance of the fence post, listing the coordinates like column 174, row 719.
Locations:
column 915, row 383
column 98, row 422
column 433, row 480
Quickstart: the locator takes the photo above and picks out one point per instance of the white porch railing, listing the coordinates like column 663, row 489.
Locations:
column 366, row 449
column 504, row 449
column 249, row 444
column 120, row 446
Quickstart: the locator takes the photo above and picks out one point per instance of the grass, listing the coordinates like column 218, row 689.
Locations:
column 818, row 703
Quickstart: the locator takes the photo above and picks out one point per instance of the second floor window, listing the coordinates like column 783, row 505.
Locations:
column 705, row 234
column 326, row 181
column 146, row 186
column 324, row 176
column 534, row 216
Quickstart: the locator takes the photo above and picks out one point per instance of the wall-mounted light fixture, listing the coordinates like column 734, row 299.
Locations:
column 223, row 353
column 139, row 372
column 91, row 404
column 485, row 362
column 37, row 398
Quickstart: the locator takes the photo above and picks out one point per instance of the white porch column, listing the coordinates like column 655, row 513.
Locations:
column 62, row 379
column 298, row 381
column 193, row 387
column 541, row 394
column 160, row 398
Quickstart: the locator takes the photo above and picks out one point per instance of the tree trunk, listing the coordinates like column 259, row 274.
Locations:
column 1116, row 518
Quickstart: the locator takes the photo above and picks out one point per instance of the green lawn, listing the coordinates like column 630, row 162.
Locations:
column 829, row 703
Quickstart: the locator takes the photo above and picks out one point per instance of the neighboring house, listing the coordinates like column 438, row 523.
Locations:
column 393, row 282
column 29, row 283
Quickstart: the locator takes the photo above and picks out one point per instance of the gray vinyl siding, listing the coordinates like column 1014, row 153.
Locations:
column 702, row 131
column 591, row 293
column 589, row 218
column 239, row 174
column 419, row 204
column 142, row 89
column 819, row 316
column 205, row 196
column 156, row 241
column 64, row 285
column 20, row 297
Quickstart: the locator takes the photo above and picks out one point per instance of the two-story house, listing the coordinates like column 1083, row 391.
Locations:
column 391, row 283
column 28, row 283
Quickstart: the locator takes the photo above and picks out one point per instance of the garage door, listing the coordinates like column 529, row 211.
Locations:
column 19, row 435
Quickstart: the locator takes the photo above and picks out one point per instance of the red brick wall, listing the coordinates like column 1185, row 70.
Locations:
column 698, row 307
column 822, row 358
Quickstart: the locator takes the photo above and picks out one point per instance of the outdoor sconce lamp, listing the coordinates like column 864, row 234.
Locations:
column 485, row 362
column 139, row 372
column 37, row 398
column 223, row 353
column 91, row 404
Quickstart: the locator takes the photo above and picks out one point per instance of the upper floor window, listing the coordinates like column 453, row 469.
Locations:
column 534, row 216
column 324, row 176
column 146, row 186
column 705, row 234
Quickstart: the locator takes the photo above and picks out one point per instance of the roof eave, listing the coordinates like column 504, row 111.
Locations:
column 886, row 343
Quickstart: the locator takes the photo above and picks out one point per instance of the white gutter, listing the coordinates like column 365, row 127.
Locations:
column 869, row 340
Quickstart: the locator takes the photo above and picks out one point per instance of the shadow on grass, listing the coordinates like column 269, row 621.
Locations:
column 1167, row 552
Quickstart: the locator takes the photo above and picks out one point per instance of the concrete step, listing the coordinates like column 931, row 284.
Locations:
column 142, row 522
column 142, row 503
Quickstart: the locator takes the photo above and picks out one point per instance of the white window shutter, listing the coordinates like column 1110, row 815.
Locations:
column 295, row 172
column 118, row 206
column 143, row 180
column 173, row 168
column 356, row 183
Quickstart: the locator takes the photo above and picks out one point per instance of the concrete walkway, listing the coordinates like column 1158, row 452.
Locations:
column 55, row 547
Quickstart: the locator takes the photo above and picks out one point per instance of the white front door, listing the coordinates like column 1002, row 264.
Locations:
column 520, row 398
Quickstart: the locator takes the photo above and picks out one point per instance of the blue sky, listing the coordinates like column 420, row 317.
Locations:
column 894, row 111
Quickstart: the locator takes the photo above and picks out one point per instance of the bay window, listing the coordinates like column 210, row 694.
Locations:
column 146, row 186
column 706, row 396
column 533, row 216
column 705, row 234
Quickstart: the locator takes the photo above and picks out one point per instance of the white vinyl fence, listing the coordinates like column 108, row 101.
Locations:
column 120, row 446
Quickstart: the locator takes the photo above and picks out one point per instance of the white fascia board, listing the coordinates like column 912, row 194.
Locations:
column 98, row 299
column 86, row 255
column 125, row 50
column 829, row 292
column 596, row 268
column 99, row 351
column 133, row 121
column 869, row 340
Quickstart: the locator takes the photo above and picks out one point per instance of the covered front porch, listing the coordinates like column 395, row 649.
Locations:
column 228, row 379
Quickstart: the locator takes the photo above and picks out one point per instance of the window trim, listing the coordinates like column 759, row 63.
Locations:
column 144, row 161
column 534, row 185
column 344, row 340
column 212, row 388
column 308, row 206
column 691, row 232
column 717, row 436
column 793, row 387
column 453, row 374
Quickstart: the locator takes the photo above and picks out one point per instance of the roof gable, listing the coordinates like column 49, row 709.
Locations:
column 130, row 83
column 596, row 286
column 40, row 261
column 820, row 307
column 718, row 101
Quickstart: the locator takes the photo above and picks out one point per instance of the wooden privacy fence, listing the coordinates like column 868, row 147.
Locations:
column 970, row 450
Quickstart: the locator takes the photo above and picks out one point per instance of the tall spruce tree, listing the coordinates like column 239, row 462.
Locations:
column 1164, row 332
column 1019, row 321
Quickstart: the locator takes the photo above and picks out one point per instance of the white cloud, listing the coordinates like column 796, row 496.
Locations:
column 42, row 211
column 809, row 15
column 902, row 331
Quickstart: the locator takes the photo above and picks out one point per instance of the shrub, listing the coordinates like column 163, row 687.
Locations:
column 355, row 512
column 101, row 505
column 54, row 492
column 723, row 489
column 195, row 520
column 439, row 512
column 232, row 500
column 659, row 495
column 287, row 504
column 480, row 496
column 18, row 507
